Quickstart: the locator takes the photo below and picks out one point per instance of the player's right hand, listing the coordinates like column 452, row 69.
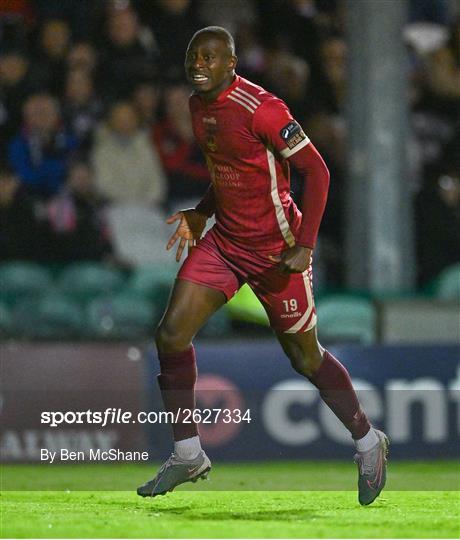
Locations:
column 189, row 230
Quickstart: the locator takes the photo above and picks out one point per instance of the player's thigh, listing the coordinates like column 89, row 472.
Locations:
column 189, row 308
column 204, row 283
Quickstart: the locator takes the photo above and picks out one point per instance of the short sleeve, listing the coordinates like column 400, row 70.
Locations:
column 274, row 124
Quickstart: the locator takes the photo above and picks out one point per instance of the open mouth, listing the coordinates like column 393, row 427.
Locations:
column 199, row 79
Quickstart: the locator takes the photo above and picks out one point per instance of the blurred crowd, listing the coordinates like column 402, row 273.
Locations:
column 94, row 117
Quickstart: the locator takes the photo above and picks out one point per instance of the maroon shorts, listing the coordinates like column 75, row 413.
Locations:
column 219, row 264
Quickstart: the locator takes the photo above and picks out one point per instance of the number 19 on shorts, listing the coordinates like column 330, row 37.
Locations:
column 290, row 305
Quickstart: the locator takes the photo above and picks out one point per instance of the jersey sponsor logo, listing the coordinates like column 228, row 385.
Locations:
column 292, row 134
column 227, row 176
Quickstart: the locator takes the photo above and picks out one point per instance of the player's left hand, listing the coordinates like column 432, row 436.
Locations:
column 189, row 230
column 293, row 260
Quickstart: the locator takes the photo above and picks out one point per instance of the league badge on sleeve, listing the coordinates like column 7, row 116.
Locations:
column 292, row 134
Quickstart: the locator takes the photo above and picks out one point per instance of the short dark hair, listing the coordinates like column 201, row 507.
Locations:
column 220, row 33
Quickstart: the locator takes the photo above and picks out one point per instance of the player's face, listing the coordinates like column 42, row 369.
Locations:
column 209, row 65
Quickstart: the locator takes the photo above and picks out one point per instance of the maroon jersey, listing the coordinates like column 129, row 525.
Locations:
column 246, row 135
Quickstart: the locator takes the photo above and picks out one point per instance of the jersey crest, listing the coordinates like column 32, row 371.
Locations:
column 211, row 131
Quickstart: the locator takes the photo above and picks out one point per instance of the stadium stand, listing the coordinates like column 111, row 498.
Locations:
column 448, row 283
column 5, row 320
column 152, row 282
column 54, row 316
column 23, row 279
column 347, row 318
column 120, row 317
column 139, row 234
column 83, row 281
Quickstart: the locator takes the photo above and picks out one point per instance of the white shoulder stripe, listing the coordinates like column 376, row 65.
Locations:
column 288, row 152
column 233, row 98
column 245, row 99
column 247, row 94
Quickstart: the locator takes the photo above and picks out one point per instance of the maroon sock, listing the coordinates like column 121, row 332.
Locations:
column 336, row 389
column 177, row 383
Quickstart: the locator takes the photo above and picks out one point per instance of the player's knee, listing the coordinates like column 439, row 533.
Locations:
column 170, row 339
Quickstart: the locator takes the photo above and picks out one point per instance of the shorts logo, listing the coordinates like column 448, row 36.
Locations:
column 291, row 315
column 292, row 134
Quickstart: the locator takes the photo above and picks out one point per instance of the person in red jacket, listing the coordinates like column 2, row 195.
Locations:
column 250, row 141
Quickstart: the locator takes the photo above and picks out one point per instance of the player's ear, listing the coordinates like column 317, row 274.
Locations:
column 232, row 62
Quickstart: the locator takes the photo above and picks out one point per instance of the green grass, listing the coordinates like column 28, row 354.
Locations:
column 66, row 512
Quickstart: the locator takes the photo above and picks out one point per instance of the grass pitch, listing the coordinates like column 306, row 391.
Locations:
column 198, row 511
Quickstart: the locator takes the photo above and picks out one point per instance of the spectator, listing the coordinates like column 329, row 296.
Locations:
column 288, row 76
column 126, row 58
column 173, row 23
column 292, row 26
column 20, row 13
column 53, row 46
column 80, row 14
column 82, row 55
column 77, row 219
column 146, row 98
column 127, row 167
column 438, row 216
column 443, row 74
column 251, row 54
column 433, row 11
column 40, row 152
column 81, row 109
column 22, row 231
column 232, row 15
column 182, row 158
column 329, row 133
column 330, row 88
column 18, row 79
